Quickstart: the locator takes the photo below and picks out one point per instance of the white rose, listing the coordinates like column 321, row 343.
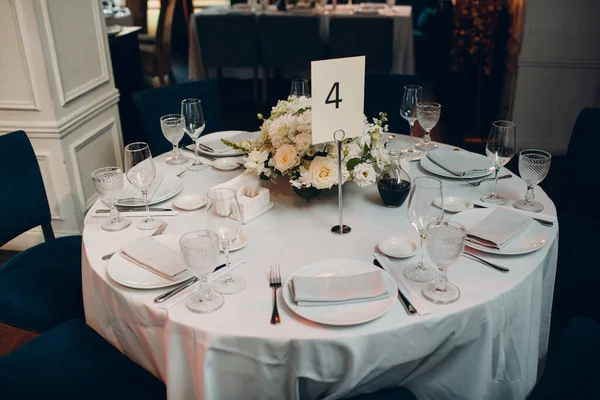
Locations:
column 323, row 172
column 364, row 174
column 282, row 126
column 302, row 141
column 255, row 161
column 285, row 157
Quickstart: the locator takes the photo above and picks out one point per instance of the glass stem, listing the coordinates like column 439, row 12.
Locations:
column 427, row 137
column 421, row 264
column 529, row 195
column 441, row 280
column 204, row 289
column 114, row 214
column 175, row 155
column 226, row 245
column 497, row 170
column 197, row 162
column 148, row 216
column 412, row 142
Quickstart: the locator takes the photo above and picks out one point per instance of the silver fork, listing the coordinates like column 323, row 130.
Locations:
column 157, row 232
column 477, row 183
column 275, row 283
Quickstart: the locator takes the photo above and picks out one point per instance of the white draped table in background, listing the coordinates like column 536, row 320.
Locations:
column 487, row 345
column 403, row 59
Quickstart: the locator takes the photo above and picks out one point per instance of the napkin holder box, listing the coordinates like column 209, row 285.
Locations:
column 250, row 207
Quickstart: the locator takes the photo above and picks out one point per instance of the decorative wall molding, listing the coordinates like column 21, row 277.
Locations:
column 66, row 97
column 33, row 237
column 45, row 160
column 558, row 63
column 61, row 128
column 109, row 125
column 33, row 103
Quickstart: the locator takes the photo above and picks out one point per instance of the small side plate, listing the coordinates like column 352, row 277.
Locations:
column 454, row 204
column 398, row 247
column 227, row 164
column 190, row 202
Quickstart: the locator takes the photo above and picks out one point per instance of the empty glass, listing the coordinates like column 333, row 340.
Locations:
column 223, row 215
column 533, row 168
column 445, row 244
column 191, row 110
column 140, row 171
column 408, row 110
column 172, row 128
column 200, row 250
column 422, row 212
column 428, row 115
column 500, row 148
column 108, row 182
column 300, row 87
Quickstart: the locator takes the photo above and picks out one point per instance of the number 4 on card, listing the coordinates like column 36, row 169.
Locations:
column 337, row 100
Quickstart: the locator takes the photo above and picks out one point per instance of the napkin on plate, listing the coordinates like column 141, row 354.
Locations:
column 335, row 290
column 459, row 163
column 131, row 192
column 219, row 147
column 498, row 229
column 149, row 253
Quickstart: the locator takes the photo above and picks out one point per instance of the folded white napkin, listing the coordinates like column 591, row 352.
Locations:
column 132, row 192
column 219, row 147
column 149, row 253
column 540, row 216
column 498, row 229
column 459, row 163
column 334, row 290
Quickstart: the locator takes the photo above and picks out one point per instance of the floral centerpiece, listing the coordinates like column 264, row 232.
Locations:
column 284, row 149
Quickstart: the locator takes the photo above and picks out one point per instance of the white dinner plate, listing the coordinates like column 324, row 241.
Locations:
column 398, row 247
column 128, row 274
column 238, row 243
column 345, row 314
column 531, row 239
column 453, row 204
column 219, row 135
column 170, row 187
column 190, row 202
column 430, row 166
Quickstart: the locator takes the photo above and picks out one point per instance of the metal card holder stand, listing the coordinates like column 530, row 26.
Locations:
column 340, row 229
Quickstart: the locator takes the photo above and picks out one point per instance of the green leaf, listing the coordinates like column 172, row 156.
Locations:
column 301, row 111
column 353, row 162
column 366, row 150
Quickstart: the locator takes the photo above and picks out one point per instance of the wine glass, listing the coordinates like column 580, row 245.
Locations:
column 140, row 171
column 533, row 168
column 224, row 219
column 445, row 244
column 300, row 87
column 200, row 250
column 172, row 127
column 500, row 149
column 421, row 212
column 108, row 182
column 428, row 114
column 408, row 110
column 191, row 110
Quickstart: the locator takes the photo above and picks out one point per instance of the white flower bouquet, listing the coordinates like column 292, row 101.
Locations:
column 284, row 149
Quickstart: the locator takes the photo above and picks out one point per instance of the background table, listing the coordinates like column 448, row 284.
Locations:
column 403, row 61
column 487, row 345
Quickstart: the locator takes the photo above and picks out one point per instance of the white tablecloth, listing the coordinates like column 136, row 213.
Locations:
column 487, row 345
column 403, row 59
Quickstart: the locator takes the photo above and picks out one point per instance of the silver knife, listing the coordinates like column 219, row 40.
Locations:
column 485, row 262
column 133, row 209
column 206, row 148
column 173, row 292
column 410, row 309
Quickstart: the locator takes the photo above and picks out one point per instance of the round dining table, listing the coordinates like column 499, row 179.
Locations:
column 488, row 344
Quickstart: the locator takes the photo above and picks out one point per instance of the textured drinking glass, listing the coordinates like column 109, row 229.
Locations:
column 300, row 87
column 200, row 250
column 391, row 3
column 421, row 213
column 108, row 182
column 500, row 148
column 172, row 127
column 428, row 115
column 533, row 168
column 223, row 216
column 191, row 110
column 408, row 110
column 445, row 244
column 140, row 171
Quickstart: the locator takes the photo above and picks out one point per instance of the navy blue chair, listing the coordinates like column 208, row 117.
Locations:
column 40, row 287
column 71, row 361
column 154, row 103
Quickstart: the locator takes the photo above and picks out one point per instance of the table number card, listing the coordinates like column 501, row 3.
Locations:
column 338, row 93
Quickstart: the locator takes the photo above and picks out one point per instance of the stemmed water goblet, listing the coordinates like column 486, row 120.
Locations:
column 300, row 87
column 421, row 212
column 428, row 114
column 223, row 215
column 445, row 244
column 200, row 250
column 191, row 110
column 172, row 127
column 411, row 96
column 533, row 168
column 500, row 148
column 108, row 183
column 140, row 172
